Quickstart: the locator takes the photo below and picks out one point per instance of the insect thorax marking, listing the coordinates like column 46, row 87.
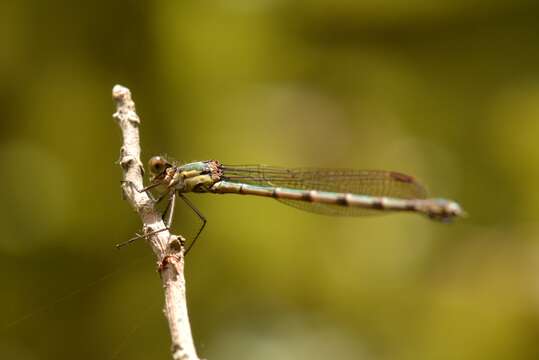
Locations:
column 196, row 183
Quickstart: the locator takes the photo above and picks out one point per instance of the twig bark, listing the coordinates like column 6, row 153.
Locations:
column 168, row 248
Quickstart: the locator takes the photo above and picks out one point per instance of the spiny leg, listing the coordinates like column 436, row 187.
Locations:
column 139, row 236
column 145, row 189
column 169, row 208
column 200, row 216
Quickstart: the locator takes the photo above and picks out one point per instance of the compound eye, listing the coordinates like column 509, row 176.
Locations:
column 157, row 165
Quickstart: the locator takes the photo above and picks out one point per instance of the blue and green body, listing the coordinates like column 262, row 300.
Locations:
column 324, row 191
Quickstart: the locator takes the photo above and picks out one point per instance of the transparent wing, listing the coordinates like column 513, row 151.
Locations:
column 360, row 182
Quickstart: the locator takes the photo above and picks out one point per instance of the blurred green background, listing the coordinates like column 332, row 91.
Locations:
column 447, row 91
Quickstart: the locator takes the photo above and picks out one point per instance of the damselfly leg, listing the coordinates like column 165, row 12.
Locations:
column 170, row 204
column 139, row 236
column 168, row 214
column 144, row 189
column 200, row 216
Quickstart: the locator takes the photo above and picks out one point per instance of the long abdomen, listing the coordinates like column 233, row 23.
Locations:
column 439, row 209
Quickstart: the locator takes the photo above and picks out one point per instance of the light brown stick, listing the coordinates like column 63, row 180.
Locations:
column 167, row 248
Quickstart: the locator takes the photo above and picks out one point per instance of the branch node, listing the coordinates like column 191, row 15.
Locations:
column 126, row 161
column 176, row 244
column 169, row 260
column 174, row 253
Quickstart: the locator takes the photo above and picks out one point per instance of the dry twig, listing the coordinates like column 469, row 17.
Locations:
column 167, row 248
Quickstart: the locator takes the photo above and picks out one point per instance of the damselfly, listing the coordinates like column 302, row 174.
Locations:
column 322, row 191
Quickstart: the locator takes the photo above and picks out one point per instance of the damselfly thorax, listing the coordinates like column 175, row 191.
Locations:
column 193, row 177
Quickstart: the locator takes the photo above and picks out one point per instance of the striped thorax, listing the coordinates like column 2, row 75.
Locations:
column 193, row 177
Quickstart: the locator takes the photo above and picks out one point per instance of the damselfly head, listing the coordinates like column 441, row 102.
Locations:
column 158, row 165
